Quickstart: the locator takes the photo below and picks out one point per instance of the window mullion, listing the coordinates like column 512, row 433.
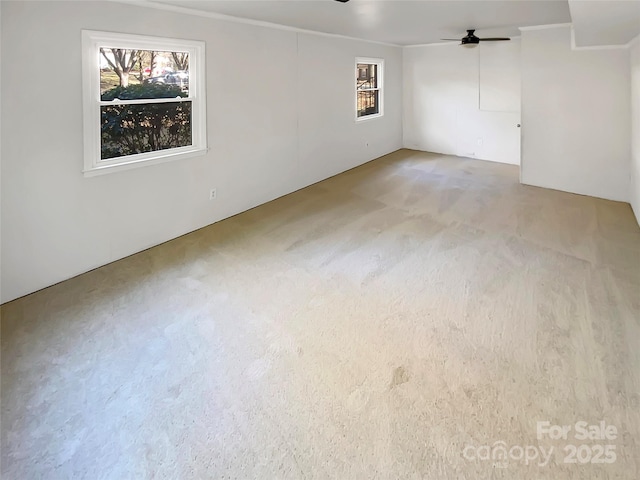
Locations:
column 144, row 101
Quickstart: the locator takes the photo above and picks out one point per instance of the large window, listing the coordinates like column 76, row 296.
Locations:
column 144, row 100
column 369, row 94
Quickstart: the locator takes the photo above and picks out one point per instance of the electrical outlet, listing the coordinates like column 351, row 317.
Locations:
column 213, row 194
column 479, row 141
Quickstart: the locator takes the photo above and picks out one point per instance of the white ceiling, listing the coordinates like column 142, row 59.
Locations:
column 414, row 22
column 611, row 22
column 393, row 21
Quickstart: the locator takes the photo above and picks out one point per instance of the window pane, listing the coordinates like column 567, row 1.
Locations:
column 129, row 69
column 131, row 129
column 368, row 103
column 367, row 75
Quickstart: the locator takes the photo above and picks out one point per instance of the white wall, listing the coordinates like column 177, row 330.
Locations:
column 330, row 139
column 280, row 116
column 634, row 196
column 445, row 87
column 575, row 116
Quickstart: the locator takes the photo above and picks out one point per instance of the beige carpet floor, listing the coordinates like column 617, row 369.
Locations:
column 399, row 320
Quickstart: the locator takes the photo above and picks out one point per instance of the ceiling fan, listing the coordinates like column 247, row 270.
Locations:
column 470, row 40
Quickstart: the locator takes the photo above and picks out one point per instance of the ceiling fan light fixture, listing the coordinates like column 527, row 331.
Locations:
column 470, row 40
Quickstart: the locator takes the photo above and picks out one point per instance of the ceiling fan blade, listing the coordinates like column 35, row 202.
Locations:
column 496, row 39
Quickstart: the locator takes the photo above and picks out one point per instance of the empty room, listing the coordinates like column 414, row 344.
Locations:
column 320, row 239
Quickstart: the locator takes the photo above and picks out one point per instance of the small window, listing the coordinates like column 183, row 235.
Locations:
column 369, row 95
column 144, row 100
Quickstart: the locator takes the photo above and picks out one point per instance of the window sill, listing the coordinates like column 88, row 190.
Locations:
column 368, row 117
column 119, row 167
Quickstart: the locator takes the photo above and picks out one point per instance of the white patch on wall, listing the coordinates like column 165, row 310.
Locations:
column 442, row 111
column 500, row 76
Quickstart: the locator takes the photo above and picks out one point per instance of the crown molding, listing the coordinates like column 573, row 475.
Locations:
column 245, row 21
column 544, row 27
column 277, row 26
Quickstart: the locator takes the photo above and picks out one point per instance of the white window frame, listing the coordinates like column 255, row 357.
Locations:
column 92, row 41
column 380, row 74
